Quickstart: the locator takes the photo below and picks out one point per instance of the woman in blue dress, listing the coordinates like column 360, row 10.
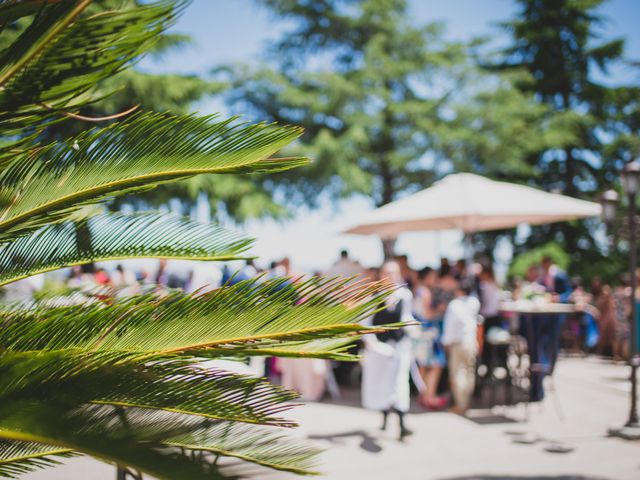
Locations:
column 430, row 303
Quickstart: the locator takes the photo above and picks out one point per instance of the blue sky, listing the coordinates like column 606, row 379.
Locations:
column 238, row 31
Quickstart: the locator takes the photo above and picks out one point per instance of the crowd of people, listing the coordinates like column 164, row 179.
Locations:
column 123, row 280
column 605, row 325
column 449, row 316
column 441, row 309
column 454, row 314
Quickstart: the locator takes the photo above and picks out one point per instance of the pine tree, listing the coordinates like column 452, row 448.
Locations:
column 386, row 105
column 558, row 43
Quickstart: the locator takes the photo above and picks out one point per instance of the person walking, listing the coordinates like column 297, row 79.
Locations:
column 386, row 361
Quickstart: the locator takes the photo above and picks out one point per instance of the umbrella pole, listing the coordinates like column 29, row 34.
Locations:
column 388, row 248
column 468, row 253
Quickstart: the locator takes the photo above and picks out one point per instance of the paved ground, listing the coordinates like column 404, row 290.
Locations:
column 592, row 395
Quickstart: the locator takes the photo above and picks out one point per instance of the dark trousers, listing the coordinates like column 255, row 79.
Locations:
column 486, row 349
column 543, row 341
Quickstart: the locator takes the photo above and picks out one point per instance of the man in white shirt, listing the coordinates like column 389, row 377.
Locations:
column 344, row 267
column 460, row 341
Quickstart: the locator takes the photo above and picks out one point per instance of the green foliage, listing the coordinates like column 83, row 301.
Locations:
column 522, row 262
column 23, row 457
column 560, row 44
column 111, row 237
column 493, row 132
column 59, row 57
column 387, row 105
column 235, row 197
column 259, row 446
column 124, row 380
column 369, row 107
column 140, row 152
column 234, row 320
column 609, row 270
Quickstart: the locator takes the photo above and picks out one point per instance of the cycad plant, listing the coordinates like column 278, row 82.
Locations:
column 124, row 381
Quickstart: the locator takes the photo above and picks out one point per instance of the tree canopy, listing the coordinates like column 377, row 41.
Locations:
column 390, row 105
column 559, row 42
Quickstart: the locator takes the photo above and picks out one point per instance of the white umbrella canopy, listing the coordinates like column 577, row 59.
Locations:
column 471, row 203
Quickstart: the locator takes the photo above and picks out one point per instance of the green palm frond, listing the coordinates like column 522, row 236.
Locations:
column 126, row 381
column 145, row 150
column 160, row 401
column 49, row 20
column 13, row 10
column 18, row 457
column 193, row 390
column 251, row 444
column 116, row 236
column 59, row 57
column 249, row 314
column 28, row 374
column 132, row 437
column 176, row 385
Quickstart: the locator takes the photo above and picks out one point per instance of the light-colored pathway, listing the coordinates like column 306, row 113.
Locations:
column 592, row 395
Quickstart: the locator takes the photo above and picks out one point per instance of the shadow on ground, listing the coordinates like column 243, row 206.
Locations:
column 480, row 415
column 368, row 442
column 490, row 419
column 350, row 397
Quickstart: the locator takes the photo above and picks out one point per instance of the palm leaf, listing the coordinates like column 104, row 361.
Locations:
column 246, row 314
column 19, row 457
column 116, row 236
column 132, row 438
column 123, row 381
column 50, row 21
column 192, row 390
column 59, row 57
column 145, row 150
column 28, row 375
column 176, row 385
column 252, row 444
column 13, row 10
column 156, row 403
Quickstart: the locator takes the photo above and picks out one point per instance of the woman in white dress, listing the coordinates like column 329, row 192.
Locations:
column 386, row 361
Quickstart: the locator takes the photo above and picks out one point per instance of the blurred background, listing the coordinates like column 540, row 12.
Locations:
column 507, row 89
column 398, row 96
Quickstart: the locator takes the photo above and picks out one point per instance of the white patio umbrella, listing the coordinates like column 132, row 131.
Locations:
column 472, row 203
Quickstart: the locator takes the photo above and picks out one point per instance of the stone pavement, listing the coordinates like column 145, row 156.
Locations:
column 591, row 396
